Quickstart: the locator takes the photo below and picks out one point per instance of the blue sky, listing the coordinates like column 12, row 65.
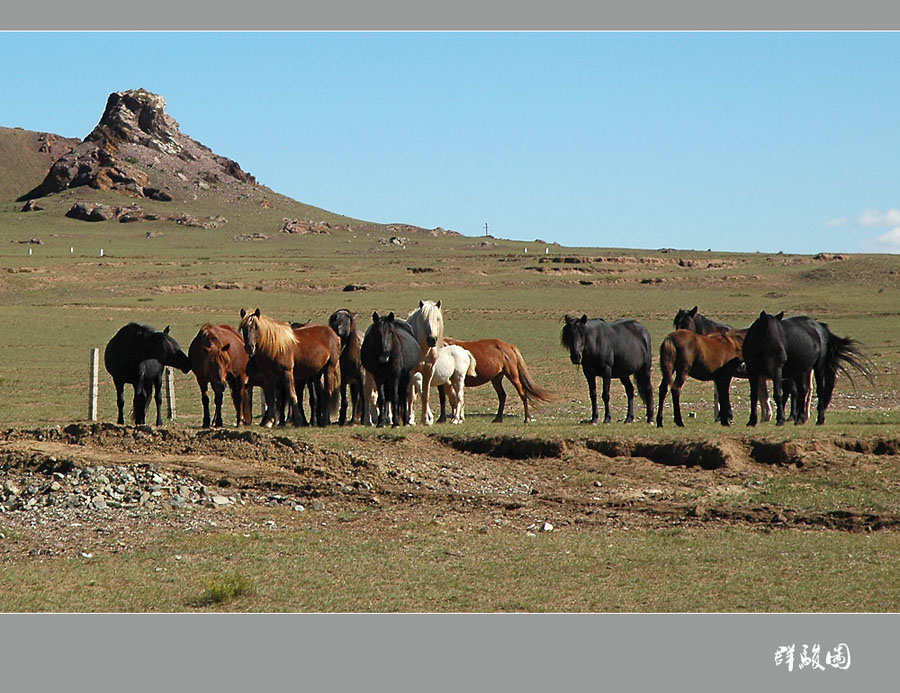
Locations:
column 734, row 141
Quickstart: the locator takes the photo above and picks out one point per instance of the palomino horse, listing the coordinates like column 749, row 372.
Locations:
column 713, row 357
column 609, row 350
column 137, row 355
column 782, row 348
column 271, row 345
column 390, row 353
column 699, row 323
column 450, row 372
column 494, row 359
column 343, row 322
column 218, row 358
column 427, row 324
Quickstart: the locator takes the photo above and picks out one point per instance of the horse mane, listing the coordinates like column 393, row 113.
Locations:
column 428, row 314
column 275, row 337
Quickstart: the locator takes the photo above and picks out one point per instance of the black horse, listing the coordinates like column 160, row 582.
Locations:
column 391, row 352
column 137, row 355
column 617, row 349
column 343, row 322
column 789, row 348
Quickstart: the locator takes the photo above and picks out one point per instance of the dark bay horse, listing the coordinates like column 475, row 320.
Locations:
column 137, row 355
column 270, row 343
column 218, row 358
column 317, row 364
column 609, row 350
column 495, row 359
column 353, row 375
column 713, row 357
column 390, row 352
column 784, row 349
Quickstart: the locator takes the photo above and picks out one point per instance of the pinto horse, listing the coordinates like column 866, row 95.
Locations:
column 390, row 353
column 699, row 323
column 427, row 324
column 218, row 358
column 782, row 348
column 713, row 357
column 494, row 359
column 353, row 375
column 137, row 355
column 616, row 349
column 271, row 345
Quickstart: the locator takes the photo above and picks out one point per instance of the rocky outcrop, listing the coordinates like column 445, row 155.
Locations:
column 138, row 150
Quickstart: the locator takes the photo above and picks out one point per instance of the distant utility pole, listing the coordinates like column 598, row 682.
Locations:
column 485, row 229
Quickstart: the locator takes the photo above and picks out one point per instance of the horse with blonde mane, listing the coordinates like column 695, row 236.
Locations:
column 271, row 344
column 427, row 323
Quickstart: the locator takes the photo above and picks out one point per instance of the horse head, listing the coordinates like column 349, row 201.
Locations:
column 343, row 323
column 431, row 325
column 573, row 337
column 250, row 330
column 169, row 352
column 684, row 319
column 384, row 345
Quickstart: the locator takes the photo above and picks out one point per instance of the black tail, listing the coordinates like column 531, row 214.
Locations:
column 843, row 353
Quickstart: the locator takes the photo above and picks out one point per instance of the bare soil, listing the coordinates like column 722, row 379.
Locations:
column 386, row 480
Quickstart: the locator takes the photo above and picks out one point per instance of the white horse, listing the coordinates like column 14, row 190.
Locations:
column 427, row 323
column 451, row 369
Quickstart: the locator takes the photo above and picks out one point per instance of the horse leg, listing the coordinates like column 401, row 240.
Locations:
column 204, row 398
column 663, row 389
column 680, row 379
column 120, row 400
column 645, row 389
column 754, row 397
column 723, row 390
column 778, row 392
column 801, row 387
column 157, row 387
column 497, row 382
column 592, row 393
column 517, row 383
column 395, row 401
column 427, row 377
column 765, row 404
column 629, row 392
column 717, row 411
column 442, row 397
column 219, row 392
column 607, row 377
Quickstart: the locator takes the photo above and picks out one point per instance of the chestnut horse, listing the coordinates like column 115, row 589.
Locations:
column 271, row 344
column 494, row 359
column 317, row 363
column 218, row 357
column 713, row 357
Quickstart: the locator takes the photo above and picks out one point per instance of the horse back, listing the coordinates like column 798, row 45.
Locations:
column 317, row 346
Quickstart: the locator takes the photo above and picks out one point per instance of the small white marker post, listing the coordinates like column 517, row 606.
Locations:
column 101, row 252
column 29, row 251
column 170, row 393
column 95, row 371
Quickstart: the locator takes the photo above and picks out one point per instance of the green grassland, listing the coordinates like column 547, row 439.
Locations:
column 59, row 304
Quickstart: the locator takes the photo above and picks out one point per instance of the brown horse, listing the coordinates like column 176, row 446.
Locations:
column 218, row 358
column 713, row 357
column 272, row 344
column 317, row 362
column 495, row 358
column 353, row 375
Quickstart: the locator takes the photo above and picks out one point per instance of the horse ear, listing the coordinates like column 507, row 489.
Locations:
column 421, row 304
column 762, row 315
column 780, row 315
column 693, row 311
column 390, row 316
column 439, row 305
column 584, row 319
column 166, row 331
column 257, row 313
column 243, row 313
column 375, row 316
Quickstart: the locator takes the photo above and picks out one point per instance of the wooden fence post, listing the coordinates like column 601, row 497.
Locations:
column 95, row 374
column 170, row 393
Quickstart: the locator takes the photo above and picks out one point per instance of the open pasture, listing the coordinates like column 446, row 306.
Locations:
column 811, row 512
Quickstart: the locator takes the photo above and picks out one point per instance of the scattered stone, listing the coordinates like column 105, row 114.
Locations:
column 32, row 206
column 546, row 527
column 220, row 500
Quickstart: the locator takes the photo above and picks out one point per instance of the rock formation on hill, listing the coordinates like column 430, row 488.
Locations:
column 137, row 149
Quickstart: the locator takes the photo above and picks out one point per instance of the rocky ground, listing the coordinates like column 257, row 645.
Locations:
column 74, row 489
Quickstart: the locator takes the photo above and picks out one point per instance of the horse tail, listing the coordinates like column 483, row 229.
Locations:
column 667, row 355
column 471, row 372
column 533, row 392
column 844, row 352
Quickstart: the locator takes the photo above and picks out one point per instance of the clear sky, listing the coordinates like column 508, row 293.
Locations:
column 729, row 141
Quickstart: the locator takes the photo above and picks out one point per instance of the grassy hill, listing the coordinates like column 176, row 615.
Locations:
column 25, row 158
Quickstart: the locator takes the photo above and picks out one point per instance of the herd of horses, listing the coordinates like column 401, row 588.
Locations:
column 374, row 376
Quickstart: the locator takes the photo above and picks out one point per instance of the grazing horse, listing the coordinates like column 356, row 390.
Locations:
column 616, row 349
column 390, row 353
column 427, row 324
column 271, row 345
column 317, row 364
column 353, row 375
column 713, row 357
column 782, row 348
column 218, row 358
column 450, row 372
column 494, row 359
column 137, row 355
column 699, row 323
